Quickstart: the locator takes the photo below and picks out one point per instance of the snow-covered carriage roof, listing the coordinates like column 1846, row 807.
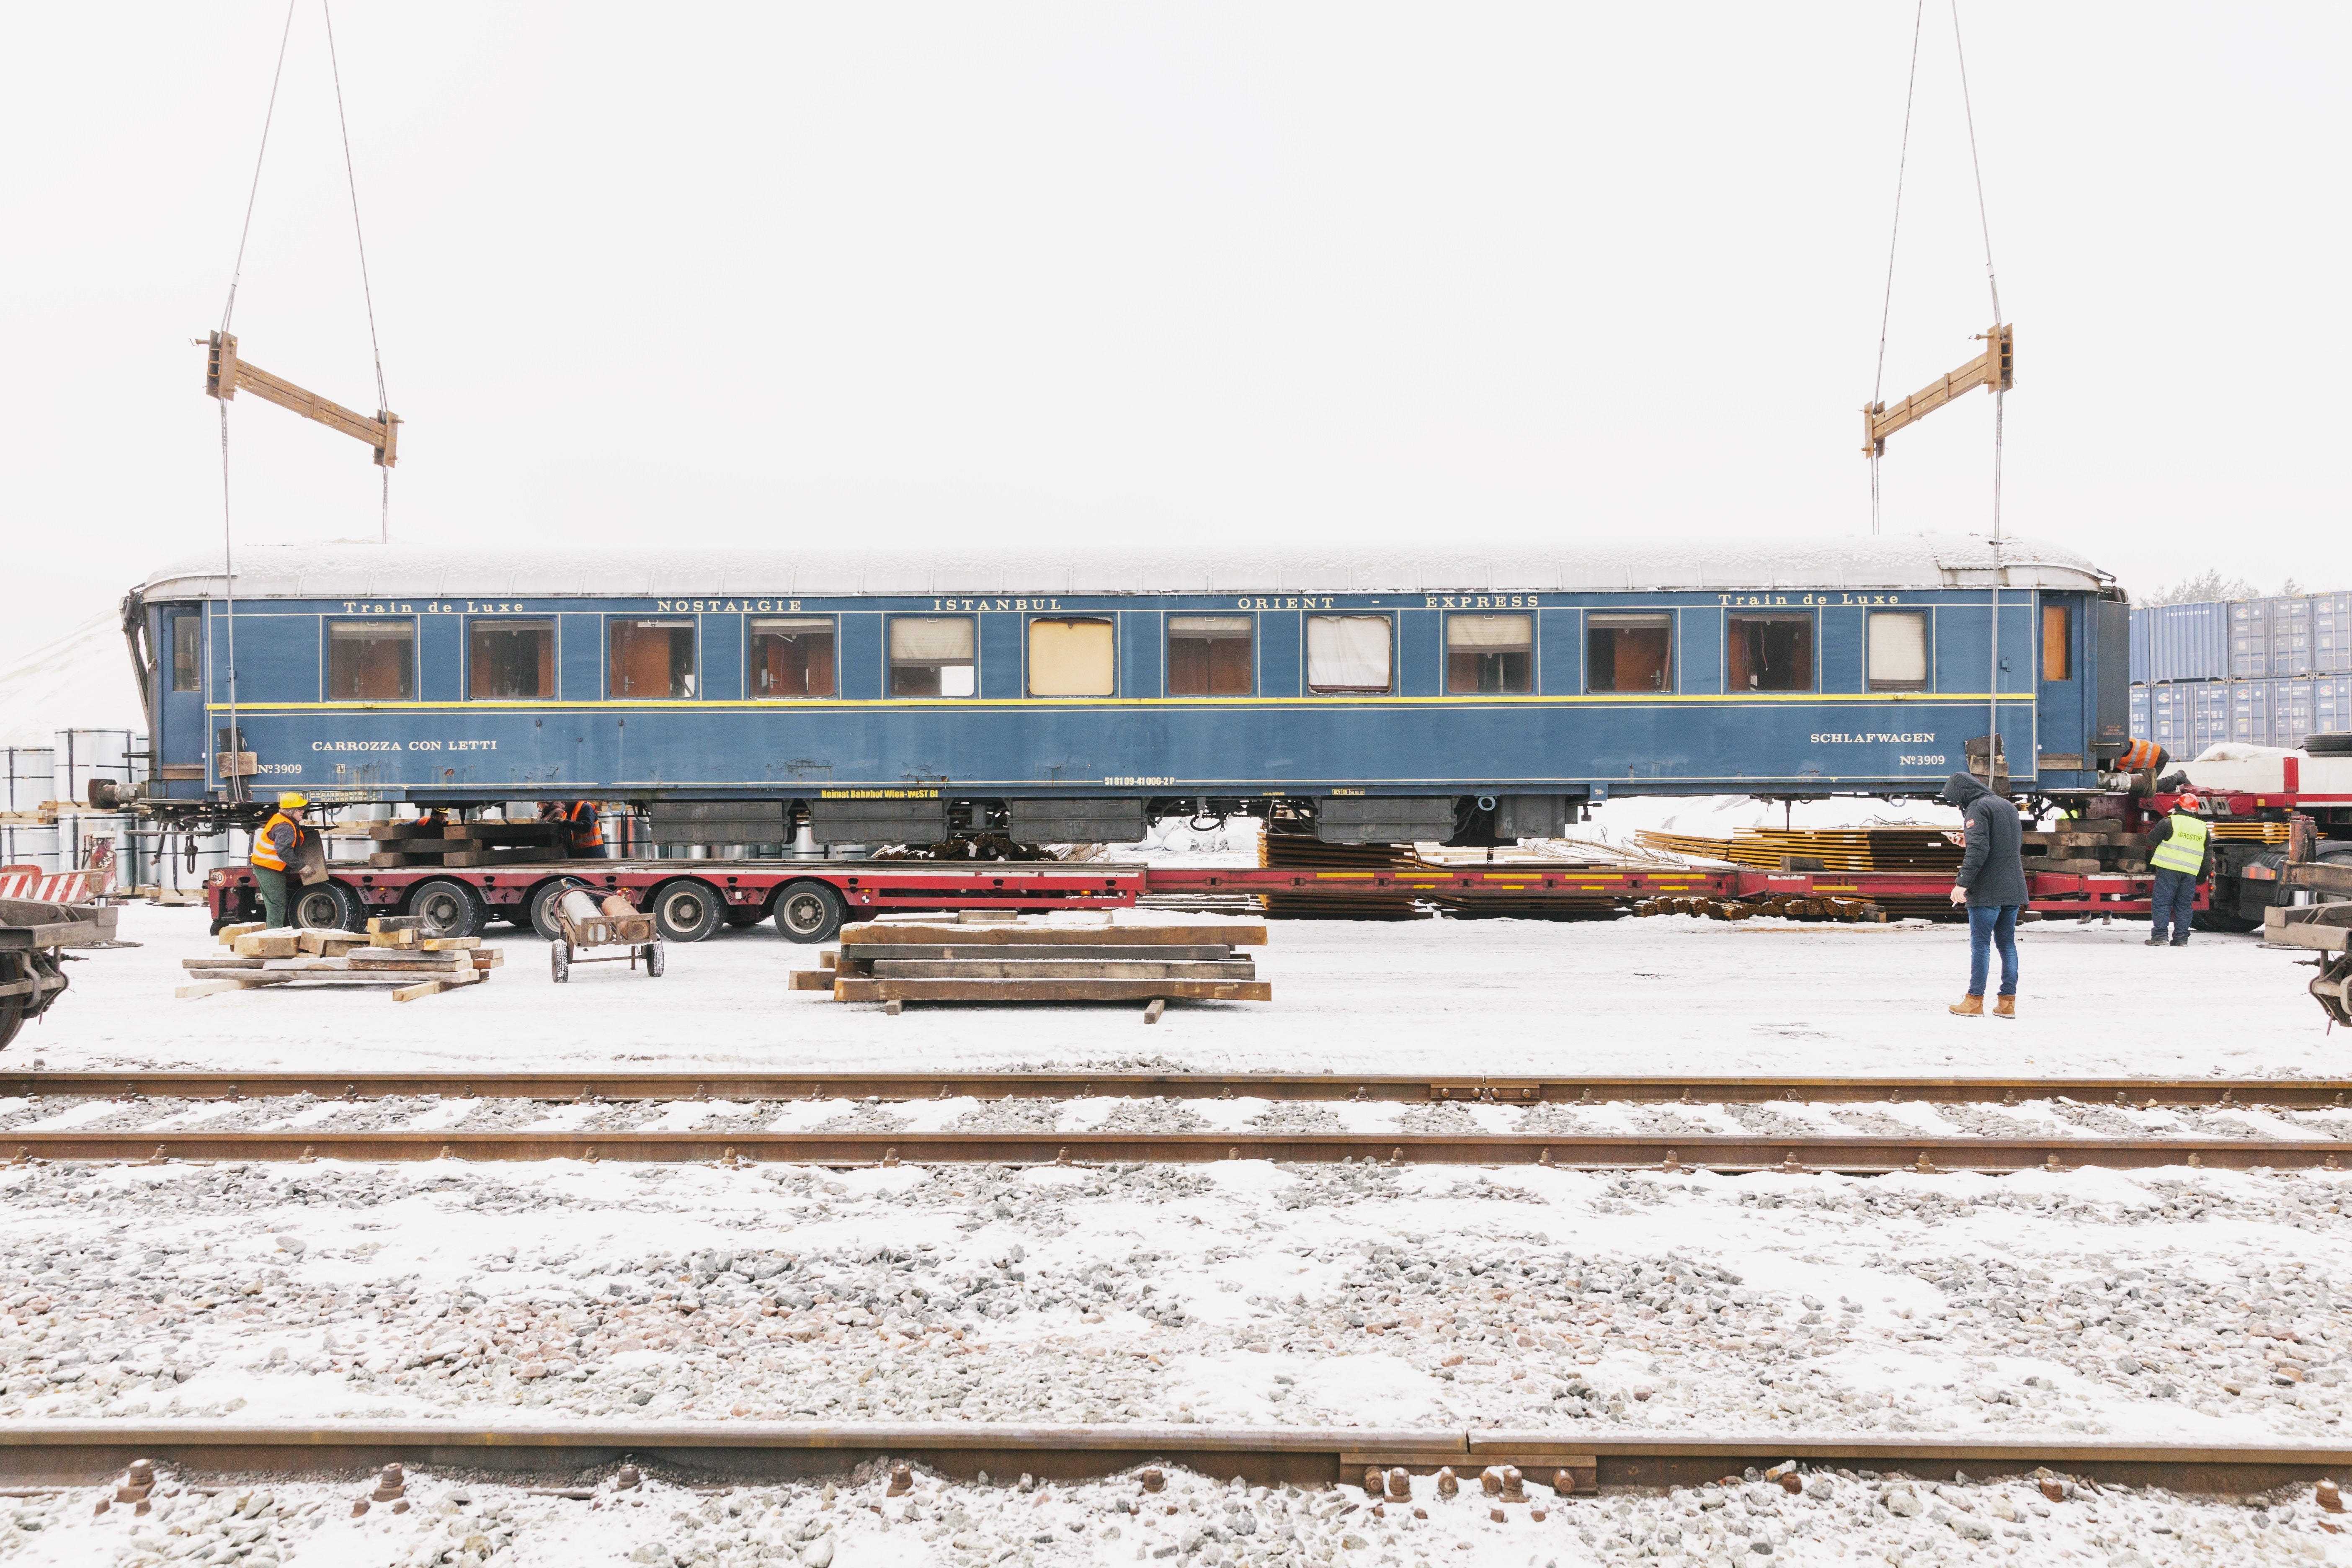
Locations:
column 1913, row 562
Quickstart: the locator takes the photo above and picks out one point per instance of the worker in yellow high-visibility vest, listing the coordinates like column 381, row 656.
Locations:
column 278, row 846
column 2183, row 846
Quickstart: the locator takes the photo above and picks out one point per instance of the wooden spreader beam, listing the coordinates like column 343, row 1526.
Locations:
column 1995, row 370
column 225, row 375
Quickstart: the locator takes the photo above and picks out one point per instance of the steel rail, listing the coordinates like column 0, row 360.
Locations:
column 1860, row 1155
column 87, row 1451
column 2311, row 1093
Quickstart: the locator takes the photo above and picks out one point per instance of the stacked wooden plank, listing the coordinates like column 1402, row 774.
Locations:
column 1922, row 850
column 393, row 951
column 480, row 842
column 998, row 960
column 2097, row 844
column 1336, row 898
column 1823, row 908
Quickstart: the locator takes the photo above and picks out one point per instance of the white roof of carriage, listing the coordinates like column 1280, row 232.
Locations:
column 412, row 570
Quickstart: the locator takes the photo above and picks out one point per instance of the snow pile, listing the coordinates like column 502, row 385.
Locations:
column 80, row 681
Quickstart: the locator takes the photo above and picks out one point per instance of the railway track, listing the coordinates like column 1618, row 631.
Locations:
column 1466, row 1088
column 85, row 1452
column 1857, row 1155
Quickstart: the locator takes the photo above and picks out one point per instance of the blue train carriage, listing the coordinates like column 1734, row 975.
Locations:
column 871, row 698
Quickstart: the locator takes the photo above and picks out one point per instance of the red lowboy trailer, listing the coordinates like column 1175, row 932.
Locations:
column 808, row 900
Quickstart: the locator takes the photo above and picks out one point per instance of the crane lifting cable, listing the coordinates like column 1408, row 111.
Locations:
column 1995, row 369
column 226, row 374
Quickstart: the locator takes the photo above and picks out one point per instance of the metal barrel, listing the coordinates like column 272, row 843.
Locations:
column 27, row 776
column 30, row 844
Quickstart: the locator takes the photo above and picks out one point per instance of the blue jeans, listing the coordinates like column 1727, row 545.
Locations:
column 2174, row 905
column 1991, row 925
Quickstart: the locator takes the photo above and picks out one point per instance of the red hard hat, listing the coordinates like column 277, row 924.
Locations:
column 2189, row 801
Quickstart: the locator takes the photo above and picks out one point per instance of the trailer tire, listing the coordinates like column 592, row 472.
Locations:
column 540, row 917
column 687, row 910
column 449, row 908
column 809, row 911
column 656, row 964
column 326, row 906
column 559, row 960
column 2332, row 743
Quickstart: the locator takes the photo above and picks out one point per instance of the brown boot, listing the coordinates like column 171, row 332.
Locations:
column 2004, row 1006
column 1969, row 1006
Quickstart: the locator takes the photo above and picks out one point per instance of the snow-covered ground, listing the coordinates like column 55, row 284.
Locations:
column 1842, row 1517
column 2177, row 1303
column 1658, row 995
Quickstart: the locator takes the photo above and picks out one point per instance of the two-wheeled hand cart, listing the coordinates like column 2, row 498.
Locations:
column 582, row 922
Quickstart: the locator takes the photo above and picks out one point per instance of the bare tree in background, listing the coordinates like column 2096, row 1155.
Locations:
column 2204, row 588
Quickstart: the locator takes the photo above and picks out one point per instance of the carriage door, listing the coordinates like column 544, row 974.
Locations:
column 179, row 681
column 2060, row 725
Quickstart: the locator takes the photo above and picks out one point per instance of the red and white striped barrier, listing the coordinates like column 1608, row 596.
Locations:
column 54, row 887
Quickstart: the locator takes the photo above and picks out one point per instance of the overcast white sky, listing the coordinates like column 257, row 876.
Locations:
column 1197, row 274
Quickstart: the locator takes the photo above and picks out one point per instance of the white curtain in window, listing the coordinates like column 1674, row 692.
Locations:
column 919, row 640
column 1071, row 658
column 1348, row 652
column 1898, row 648
column 1499, row 632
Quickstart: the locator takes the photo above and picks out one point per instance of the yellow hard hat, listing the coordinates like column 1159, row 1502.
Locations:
column 291, row 801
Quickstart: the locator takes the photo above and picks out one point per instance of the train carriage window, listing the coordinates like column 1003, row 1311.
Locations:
column 932, row 655
column 1628, row 653
column 1071, row 657
column 187, row 652
column 789, row 656
column 1769, row 653
column 371, row 661
column 1209, row 655
column 650, row 659
column 1349, row 654
column 510, row 659
column 1898, row 650
column 1492, row 654
column 2057, row 646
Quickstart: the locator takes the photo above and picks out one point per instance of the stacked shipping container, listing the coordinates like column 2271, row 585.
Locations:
column 2266, row 672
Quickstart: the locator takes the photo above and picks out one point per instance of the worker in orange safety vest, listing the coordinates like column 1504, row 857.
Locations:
column 583, row 834
column 278, row 846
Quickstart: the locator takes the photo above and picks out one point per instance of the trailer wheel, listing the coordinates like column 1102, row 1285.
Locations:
column 326, row 906
column 448, row 907
column 559, row 960
column 654, row 963
column 687, row 911
column 42, row 975
column 15, row 969
column 809, row 911
column 541, row 911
